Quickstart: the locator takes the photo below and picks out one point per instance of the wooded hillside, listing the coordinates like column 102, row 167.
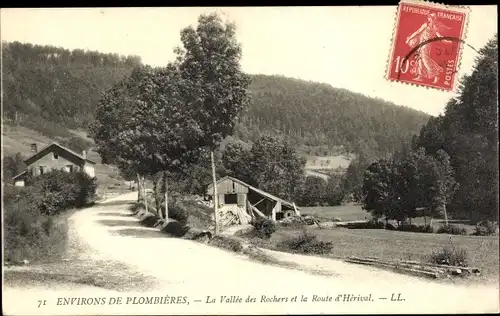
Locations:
column 45, row 84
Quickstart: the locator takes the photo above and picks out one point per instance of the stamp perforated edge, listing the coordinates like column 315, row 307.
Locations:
column 459, row 8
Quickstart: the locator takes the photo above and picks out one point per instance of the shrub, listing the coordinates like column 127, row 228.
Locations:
column 306, row 243
column 60, row 190
column 366, row 225
column 416, row 228
column 485, row 228
column 178, row 212
column 176, row 229
column 452, row 230
column 226, row 242
column 150, row 220
column 451, row 257
column 264, row 227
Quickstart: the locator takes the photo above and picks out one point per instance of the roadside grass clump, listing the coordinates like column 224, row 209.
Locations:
column 485, row 228
column 452, row 230
column 450, row 256
column 305, row 243
column 175, row 228
column 150, row 220
column 226, row 242
column 416, row 228
column 264, row 227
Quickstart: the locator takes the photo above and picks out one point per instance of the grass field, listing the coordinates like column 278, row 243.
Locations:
column 483, row 252
column 328, row 162
column 350, row 212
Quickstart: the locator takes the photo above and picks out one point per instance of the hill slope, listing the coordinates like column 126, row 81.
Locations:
column 44, row 85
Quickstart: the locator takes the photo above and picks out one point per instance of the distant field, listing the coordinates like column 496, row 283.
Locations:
column 328, row 162
column 350, row 212
column 483, row 252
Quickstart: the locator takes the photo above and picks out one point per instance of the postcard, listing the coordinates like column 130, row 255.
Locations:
column 250, row 160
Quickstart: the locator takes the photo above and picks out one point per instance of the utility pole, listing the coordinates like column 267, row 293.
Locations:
column 166, row 196
column 216, row 206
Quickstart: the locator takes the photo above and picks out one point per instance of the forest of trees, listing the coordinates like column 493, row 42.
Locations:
column 451, row 168
column 316, row 114
column 48, row 84
column 468, row 132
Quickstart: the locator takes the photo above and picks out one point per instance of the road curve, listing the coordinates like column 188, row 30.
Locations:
column 202, row 273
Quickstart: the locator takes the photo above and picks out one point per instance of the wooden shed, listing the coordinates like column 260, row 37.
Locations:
column 233, row 192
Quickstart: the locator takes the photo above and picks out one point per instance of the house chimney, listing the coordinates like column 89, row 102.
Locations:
column 34, row 148
column 84, row 154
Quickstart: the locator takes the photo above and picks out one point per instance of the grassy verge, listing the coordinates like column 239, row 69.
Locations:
column 35, row 237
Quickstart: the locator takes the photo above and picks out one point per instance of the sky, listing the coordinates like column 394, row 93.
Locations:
column 347, row 47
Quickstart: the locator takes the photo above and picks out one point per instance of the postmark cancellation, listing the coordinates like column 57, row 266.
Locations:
column 427, row 44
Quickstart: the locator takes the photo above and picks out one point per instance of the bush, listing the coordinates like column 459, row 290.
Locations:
column 485, row 228
column 452, row 230
column 60, row 190
column 366, row 225
column 178, row 212
column 175, row 229
column 306, row 243
column 264, row 227
column 226, row 242
column 451, row 257
column 416, row 228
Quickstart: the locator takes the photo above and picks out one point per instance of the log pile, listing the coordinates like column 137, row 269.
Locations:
column 233, row 215
column 417, row 268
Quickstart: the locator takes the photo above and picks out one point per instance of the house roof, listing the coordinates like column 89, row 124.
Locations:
column 259, row 191
column 19, row 175
column 48, row 148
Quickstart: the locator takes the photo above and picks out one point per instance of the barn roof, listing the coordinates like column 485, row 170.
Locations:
column 48, row 149
column 257, row 190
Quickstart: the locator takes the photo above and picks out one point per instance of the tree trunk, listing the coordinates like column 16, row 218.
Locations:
column 166, row 195
column 425, row 220
column 139, row 188
column 156, row 187
column 215, row 198
column 145, row 193
column 445, row 214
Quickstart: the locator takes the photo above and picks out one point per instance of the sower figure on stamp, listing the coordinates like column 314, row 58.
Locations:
column 425, row 66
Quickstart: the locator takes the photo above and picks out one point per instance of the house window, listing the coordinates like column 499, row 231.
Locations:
column 41, row 169
column 55, row 155
column 68, row 168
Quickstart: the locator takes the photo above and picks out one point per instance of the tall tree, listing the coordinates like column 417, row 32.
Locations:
column 468, row 132
column 209, row 63
column 12, row 166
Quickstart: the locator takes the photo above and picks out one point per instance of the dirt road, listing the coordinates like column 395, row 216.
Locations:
column 177, row 268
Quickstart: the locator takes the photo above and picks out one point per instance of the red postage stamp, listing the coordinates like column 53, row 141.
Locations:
column 427, row 44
